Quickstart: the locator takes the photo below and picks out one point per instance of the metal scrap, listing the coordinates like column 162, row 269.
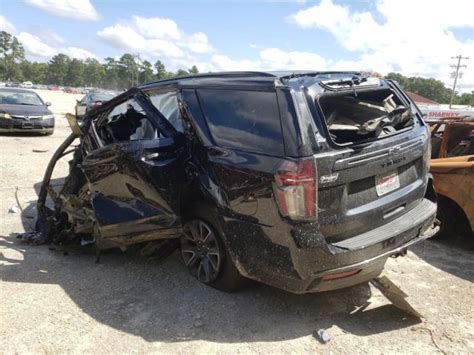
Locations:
column 35, row 238
column 395, row 295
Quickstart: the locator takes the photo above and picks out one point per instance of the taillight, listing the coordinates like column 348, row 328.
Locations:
column 340, row 275
column 295, row 189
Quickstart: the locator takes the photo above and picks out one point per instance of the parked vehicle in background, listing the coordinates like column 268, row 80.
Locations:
column 305, row 181
column 454, row 184
column 71, row 90
column 26, row 85
column 92, row 100
column 24, row 110
column 451, row 137
column 452, row 166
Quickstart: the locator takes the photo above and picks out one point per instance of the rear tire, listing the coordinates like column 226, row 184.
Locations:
column 206, row 256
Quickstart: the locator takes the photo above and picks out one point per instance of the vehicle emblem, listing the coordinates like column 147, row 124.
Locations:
column 395, row 150
column 27, row 118
column 325, row 179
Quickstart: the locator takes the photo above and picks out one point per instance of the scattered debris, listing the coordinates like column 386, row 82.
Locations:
column 36, row 238
column 13, row 209
column 322, row 336
column 39, row 150
column 395, row 295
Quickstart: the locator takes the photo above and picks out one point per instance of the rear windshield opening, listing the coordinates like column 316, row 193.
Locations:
column 355, row 117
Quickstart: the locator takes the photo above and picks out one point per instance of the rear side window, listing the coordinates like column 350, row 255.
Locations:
column 247, row 120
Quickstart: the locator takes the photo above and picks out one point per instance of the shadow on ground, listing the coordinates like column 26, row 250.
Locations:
column 159, row 301
column 453, row 254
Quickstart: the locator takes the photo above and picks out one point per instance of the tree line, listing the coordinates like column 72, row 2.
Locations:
column 432, row 89
column 122, row 73
column 129, row 70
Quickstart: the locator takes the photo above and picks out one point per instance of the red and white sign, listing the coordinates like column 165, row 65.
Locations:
column 445, row 114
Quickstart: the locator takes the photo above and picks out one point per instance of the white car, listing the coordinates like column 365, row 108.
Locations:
column 26, row 85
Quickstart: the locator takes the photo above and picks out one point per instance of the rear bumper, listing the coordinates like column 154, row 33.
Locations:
column 305, row 269
column 16, row 125
column 369, row 268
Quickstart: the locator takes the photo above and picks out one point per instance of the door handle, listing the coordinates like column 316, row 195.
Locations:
column 150, row 156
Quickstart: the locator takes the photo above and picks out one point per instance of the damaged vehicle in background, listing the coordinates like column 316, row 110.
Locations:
column 454, row 183
column 452, row 167
column 94, row 98
column 305, row 181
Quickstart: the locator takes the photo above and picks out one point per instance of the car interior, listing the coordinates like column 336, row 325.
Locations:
column 126, row 122
column 369, row 114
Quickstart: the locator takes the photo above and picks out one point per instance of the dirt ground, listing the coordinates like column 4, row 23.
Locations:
column 51, row 302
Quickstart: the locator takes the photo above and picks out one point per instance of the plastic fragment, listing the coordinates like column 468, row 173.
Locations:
column 395, row 295
column 322, row 335
column 32, row 238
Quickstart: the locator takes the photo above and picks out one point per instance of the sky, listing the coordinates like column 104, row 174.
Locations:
column 412, row 37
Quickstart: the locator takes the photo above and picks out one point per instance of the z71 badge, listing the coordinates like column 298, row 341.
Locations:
column 326, row 179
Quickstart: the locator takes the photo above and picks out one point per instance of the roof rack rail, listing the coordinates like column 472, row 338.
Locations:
column 226, row 74
column 299, row 73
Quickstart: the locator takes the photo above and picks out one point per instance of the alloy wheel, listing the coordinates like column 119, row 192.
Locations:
column 200, row 251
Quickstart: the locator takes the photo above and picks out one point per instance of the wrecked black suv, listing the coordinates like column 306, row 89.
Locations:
column 304, row 181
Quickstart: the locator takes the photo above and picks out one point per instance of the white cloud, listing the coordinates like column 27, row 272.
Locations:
column 157, row 38
column 220, row 62
column 414, row 41
column 77, row 52
column 271, row 59
column 156, row 27
column 36, row 48
column 122, row 37
column 49, row 37
column 6, row 25
column 276, row 59
column 77, row 9
column 198, row 43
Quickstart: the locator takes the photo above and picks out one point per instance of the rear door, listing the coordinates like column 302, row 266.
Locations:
column 245, row 150
column 135, row 176
column 366, row 185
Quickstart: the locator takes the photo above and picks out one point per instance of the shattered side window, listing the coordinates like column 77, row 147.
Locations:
column 122, row 108
column 126, row 122
column 167, row 104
